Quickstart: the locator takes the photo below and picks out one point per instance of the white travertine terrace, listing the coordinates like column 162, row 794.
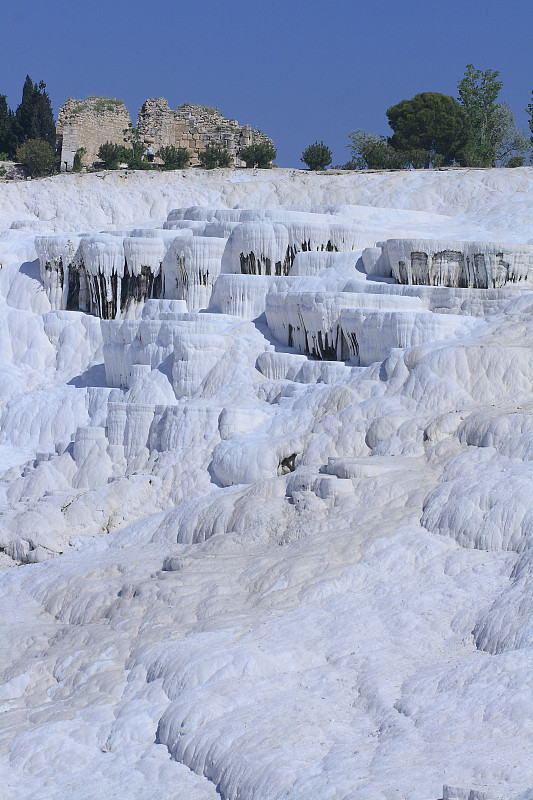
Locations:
column 480, row 265
column 266, row 518
column 56, row 258
column 190, row 269
column 245, row 295
column 358, row 328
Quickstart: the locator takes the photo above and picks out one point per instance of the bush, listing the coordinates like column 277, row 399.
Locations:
column 37, row 157
column 78, row 156
column 258, row 155
column 370, row 151
column 133, row 154
column 516, row 161
column 134, row 162
column 214, row 156
column 317, row 156
column 111, row 155
column 174, row 157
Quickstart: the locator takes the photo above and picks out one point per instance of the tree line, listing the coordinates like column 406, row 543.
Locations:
column 429, row 130
column 28, row 134
column 111, row 155
column 433, row 130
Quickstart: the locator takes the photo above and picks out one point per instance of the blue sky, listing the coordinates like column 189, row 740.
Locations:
column 300, row 70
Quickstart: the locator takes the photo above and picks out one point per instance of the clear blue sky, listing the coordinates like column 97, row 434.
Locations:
column 300, row 70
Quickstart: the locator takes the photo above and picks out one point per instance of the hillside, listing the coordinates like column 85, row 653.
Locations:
column 265, row 485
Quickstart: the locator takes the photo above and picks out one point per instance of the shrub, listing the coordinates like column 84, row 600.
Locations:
column 37, row 157
column 214, row 156
column 111, row 155
column 134, row 161
column 133, row 154
column 94, row 103
column 317, row 156
column 258, row 155
column 208, row 109
column 516, row 161
column 174, row 157
column 370, row 151
column 418, row 158
column 78, row 156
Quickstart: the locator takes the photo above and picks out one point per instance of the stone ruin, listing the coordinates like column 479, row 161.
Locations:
column 89, row 123
column 193, row 127
column 92, row 122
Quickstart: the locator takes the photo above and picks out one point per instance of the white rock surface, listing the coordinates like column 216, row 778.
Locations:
column 266, row 527
column 482, row 265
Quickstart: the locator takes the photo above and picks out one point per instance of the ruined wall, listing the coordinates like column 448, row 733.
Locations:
column 193, row 127
column 89, row 123
column 96, row 120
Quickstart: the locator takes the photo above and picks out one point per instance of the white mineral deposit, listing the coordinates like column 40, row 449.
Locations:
column 266, row 470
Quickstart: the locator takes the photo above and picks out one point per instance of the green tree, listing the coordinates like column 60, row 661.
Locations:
column 370, row 151
column 214, row 156
column 174, row 157
column 34, row 118
column 478, row 92
column 258, row 155
column 6, row 127
column 430, row 122
column 111, row 154
column 510, row 143
column 78, row 159
column 516, row 161
column 317, row 156
column 529, row 112
column 37, row 157
column 133, row 153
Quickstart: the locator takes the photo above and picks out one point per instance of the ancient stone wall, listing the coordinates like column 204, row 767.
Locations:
column 193, row 127
column 89, row 123
column 96, row 120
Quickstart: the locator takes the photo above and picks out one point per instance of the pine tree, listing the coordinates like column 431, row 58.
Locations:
column 432, row 123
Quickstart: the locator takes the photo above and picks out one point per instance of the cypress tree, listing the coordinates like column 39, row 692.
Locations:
column 34, row 118
column 7, row 144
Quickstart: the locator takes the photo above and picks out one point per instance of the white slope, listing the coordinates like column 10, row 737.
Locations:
column 269, row 536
